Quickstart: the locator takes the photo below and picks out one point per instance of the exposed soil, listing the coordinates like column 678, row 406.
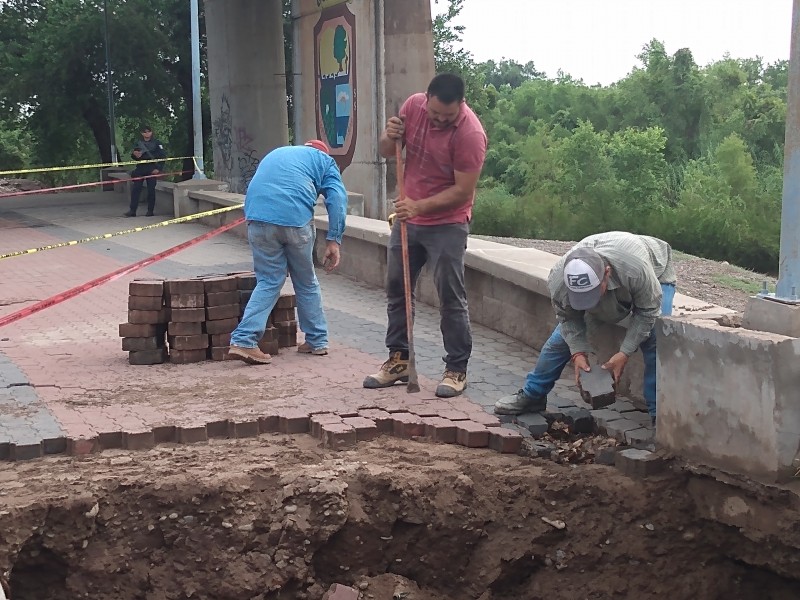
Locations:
column 718, row 283
column 278, row 518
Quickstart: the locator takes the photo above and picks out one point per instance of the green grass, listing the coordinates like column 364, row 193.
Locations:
column 735, row 283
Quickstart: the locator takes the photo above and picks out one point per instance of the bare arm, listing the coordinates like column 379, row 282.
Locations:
column 454, row 196
column 395, row 128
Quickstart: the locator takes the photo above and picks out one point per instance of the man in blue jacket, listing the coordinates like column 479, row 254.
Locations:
column 279, row 208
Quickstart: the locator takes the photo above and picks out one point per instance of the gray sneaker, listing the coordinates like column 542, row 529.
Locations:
column 519, row 403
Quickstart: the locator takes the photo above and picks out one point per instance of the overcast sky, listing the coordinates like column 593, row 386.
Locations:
column 598, row 40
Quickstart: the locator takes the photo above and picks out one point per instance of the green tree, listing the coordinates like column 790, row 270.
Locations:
column 340, row 46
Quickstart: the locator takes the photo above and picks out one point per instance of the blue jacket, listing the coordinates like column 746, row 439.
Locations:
column 286, row 186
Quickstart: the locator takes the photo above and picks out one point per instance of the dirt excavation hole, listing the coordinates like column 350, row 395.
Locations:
column 393, row 519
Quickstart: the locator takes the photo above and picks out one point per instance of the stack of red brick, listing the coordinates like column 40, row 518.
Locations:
column 191, row 320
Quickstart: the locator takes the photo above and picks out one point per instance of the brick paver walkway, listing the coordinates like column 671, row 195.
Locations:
column 63, row 373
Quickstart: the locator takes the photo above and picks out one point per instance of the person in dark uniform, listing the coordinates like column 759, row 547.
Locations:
column 149, row 148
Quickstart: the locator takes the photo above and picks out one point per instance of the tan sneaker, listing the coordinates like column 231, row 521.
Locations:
column 252, row 356
column 393, row 370
column 304, row 348
column 453, row 384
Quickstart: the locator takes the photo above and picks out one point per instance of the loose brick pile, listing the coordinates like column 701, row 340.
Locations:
column 191, row 320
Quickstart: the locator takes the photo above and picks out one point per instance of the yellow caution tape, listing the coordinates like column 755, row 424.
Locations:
column 105, row 236
column 100, row 165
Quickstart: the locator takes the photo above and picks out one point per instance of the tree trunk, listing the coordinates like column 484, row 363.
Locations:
column 98, row 123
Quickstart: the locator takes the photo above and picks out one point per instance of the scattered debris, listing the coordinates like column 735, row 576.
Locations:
column 557, row 524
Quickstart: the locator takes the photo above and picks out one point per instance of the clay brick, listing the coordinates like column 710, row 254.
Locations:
column 597, row 387
column 440, row 430
column 219, row 340
column 286, row 301
column 174, row 287
column 165, row 434
column 141, row 344
column 269, row 424
column 341, row 592
column 283, row 315
column 224, row 326
column 183, row 357
column 218, row 353
column 147, row 317
column 270, row 334
column 81, row 446
column 214, row 285
column 485, row 419
column 218, row 429
column 317, row 421
column 244, row 297
column 381, row 418
column 285, row 327
column 504, row 441
column 246, row 281
column 271, row 348
column 406, row 425
column 138, row 440
column 25, row 451
column 193, row 328
column 293, row 421
column 639, row 463
column 140, row 330
column 188, row 342
column 148, row 357
column 453, row 415
column 287, row 341
column 471, row 434
column 245, row 429
column 5, row 450
column 191, row 435
column 424, row 410
column 366, row 429
column 338, row 435
column 222, row 298
column 110, row 440
column 187, row 315
column 145, row 303
column 218, row 313
column 186, row 301
column 146, row 287
column 54, row 445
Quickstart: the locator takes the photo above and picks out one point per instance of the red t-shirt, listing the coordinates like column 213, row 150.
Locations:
column 434, row 155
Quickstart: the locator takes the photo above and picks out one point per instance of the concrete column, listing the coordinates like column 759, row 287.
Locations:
column 247, row 82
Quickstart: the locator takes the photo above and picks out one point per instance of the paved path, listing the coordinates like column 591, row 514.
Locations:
column 63, row 373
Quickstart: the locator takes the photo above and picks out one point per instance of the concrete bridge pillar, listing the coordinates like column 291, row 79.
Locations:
column 247, row 77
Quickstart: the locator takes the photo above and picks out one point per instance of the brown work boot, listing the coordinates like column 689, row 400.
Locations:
column 305, row 348
column 252, row 356
column 453, row 384
column 393, row 370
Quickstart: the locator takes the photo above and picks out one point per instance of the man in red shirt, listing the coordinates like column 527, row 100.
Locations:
column 445, row 149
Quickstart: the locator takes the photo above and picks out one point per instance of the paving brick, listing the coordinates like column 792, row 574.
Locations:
column 425, row 409
column 338, row 435
column 191, row 328
column 453, row 414
column 218, row 429
column 218, row 313
column 165, row 434
column 146, row 287
column 187, row 315
column 271, row 348
column 223, row 326
column 606, row 456
column 318, row 420
column 269, row 424
column 643, row 436
column 191, row 435
column 109, row 440
column 138, row 440
column 471, row 434
column 484, row 419
column 174, row 287
column 246, row 281
column 57, row 445
column 222, row 298
column 183, row 357
column 597, row 387
column 439, row 429
column 148, row 357
column 293, row 421
column 381, row 418
column 188, row 342
column 286, row 301
column 219, row 340
column 341, row 592
column 579, row 420
column 214, row 285
column 270, row 334
column 642, row 418
column 145, row 303
column 283, row 315
column 245, row 429
column 504, row 441
column 218, row 353
column 186, row 301
column 639, row 463
column 622, row 406
column 81, row 446
column 143, row 343
column 5, row 450
column 287, row 341
column 407, row 425
column 139, row 330
column 147, row 317
column 366, row 429
column 605, row 416
column 618, row 429
column 535, row 423
column 25, row 451
column 552, row 414
column 244, row 297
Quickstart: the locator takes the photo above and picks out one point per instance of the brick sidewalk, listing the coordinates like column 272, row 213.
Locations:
column 63, row 374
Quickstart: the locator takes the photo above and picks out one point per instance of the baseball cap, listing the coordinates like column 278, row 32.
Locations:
column 319, row 145
column 584, row 271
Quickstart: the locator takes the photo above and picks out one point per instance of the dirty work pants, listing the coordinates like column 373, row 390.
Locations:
column 277, row 249
column 136, row 191
column 442, row 248
column 556, row 354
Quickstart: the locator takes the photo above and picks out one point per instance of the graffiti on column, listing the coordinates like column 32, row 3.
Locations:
column 246, row 156
column 335, row 76
column 223, row 134
column 236, row 148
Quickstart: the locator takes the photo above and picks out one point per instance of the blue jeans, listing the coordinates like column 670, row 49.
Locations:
column 277, row 249
column 556, row 354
